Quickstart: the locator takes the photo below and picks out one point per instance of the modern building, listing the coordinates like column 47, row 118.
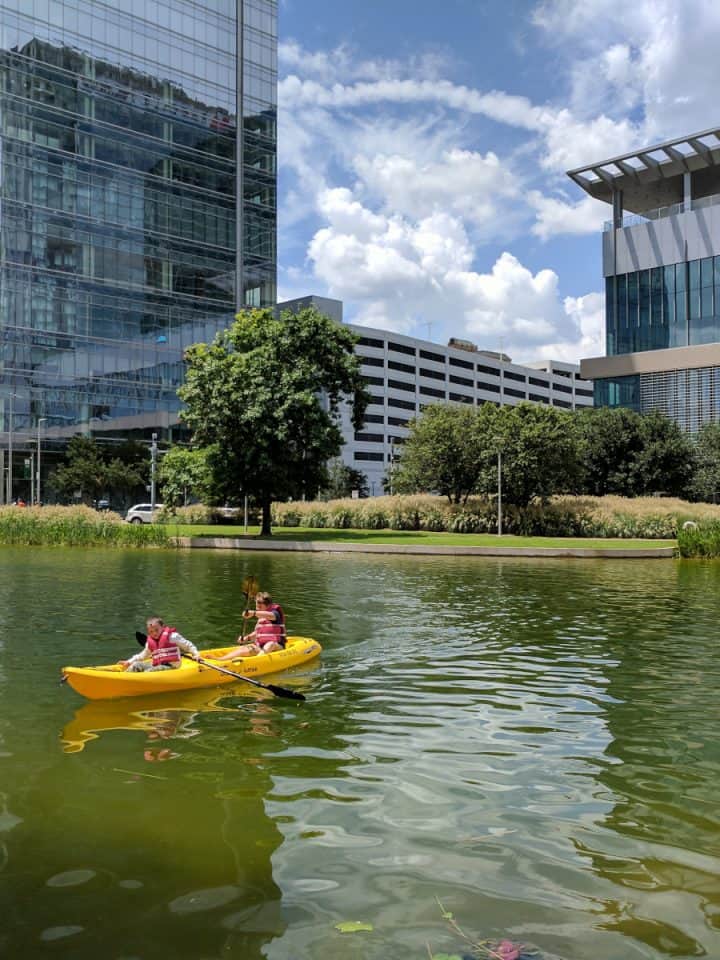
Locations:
column 661, row 263
column 138, row 204
column 404, row 374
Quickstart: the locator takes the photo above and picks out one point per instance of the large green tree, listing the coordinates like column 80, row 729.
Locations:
column 342, row 480
column 267, row 393
column 448, row 451
column 633, row 454
column 95, row 471
column 541, row 452
column 186, row 474
column 705, row 483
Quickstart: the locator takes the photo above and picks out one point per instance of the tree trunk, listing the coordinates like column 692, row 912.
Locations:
column 266, row 529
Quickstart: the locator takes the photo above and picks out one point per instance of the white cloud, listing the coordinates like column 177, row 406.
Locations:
column 556, row 216
column 587, row 325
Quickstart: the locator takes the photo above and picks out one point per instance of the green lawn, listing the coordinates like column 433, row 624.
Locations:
column 403, row 537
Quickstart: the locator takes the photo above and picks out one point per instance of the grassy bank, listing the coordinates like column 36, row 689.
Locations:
column 702, row 540
column 417, row 538
column 75, row 527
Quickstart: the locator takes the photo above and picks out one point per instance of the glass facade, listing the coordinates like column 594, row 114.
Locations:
column 128, row 230
column 690, row 397
column 671, row 306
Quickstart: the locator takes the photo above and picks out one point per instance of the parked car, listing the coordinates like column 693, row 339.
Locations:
column 142, row 513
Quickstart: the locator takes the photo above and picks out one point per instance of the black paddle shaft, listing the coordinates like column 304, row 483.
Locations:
column 273, row 688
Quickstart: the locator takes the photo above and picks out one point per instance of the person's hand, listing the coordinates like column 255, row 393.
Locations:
column 124, row 664
column 248, row 614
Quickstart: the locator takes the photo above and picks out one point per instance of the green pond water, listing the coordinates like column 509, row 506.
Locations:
column 532, row 745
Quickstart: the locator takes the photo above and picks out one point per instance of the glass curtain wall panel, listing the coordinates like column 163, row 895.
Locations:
column 128, row 228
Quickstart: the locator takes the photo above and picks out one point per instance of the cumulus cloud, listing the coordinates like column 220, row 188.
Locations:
column 558, row 216
column 401, row 273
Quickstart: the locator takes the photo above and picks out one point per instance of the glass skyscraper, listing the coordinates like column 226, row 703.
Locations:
column 137, row 202
column 661, row 262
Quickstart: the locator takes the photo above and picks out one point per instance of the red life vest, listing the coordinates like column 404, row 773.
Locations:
column 163, row 650
column 269, row 631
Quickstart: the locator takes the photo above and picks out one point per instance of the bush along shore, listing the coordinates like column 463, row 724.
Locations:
column 701, row 539
column 75, row 527
column 654, row 518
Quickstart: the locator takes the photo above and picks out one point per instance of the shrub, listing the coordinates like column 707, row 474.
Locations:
column 75, row 526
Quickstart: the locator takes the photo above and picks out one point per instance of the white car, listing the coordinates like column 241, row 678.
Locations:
column 142, row 513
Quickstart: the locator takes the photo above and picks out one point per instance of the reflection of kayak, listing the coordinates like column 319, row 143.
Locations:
column 175, row 710
column 102, row 683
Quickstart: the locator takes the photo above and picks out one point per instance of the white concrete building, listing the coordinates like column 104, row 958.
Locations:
column 404, row 374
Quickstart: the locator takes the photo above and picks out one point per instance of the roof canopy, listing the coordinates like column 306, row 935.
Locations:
column 653, row 177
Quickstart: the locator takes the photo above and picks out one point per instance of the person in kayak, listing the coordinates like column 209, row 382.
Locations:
column 269, row 633
column 163, row 649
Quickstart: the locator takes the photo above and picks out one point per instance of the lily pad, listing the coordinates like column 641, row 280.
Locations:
column 352, row 926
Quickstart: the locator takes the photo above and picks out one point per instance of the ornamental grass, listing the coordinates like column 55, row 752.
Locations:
column 75, row 526
column 563, row 516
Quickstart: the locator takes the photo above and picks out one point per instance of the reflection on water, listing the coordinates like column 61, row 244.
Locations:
column 532, row 744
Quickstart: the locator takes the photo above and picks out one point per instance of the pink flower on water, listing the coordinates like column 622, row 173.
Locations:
column 506, row 950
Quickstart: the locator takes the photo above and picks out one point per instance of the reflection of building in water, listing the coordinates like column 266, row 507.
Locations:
column 122, row 239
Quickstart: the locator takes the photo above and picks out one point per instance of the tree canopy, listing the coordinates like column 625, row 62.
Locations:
column 186, row 474
column 342, row 480
column 97, row 470
column 705, row 484
column 267, row 393
column 633, row 454
column 448, row 449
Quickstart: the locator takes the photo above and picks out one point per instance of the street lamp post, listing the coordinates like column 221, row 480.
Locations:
column 498, row 440
column 8, row 498
column 153, row 471
column 38, row 500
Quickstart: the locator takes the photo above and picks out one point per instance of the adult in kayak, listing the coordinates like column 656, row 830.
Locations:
column 163, row 650
column 269, row 633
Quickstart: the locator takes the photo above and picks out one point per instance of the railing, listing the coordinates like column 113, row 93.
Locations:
column 633, row 219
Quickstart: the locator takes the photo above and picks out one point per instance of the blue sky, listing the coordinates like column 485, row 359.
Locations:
column 423, row 149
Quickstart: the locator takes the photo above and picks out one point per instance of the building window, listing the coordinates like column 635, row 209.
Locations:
column 374, row 418
column 400, row 385
column 459, row 398
column 537, row 382
column 397, row 422
column 432, row 392
column 368, row 455
column 563, row 388
column 371, row 342
column 462, row 381
column 538, row 399
column 372, row 361
column 402, row 404
column 492, row 387
column 363, row 437
column 401, row 367
column 509, row 375
column 374, row 381
column 492, row 371
column 454, row 362
column 401, row 348
column 426, row 355
column 433, row 374
column 511, row 392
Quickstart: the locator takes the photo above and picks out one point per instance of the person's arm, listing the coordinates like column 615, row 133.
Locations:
column 185, row 645
column 144, row 654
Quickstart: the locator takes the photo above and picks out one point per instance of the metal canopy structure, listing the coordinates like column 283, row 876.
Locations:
column 654, row 176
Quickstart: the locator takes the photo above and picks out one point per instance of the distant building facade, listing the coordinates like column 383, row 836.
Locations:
column 661, row 263
column 404, row 374
column 138, row 204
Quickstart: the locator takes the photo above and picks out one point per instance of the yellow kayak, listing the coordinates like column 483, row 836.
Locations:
column 107, row 682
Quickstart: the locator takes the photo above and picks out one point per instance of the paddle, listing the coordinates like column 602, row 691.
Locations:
column 273, row 688
column 249, row 586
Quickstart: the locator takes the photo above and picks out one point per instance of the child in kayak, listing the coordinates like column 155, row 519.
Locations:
column 163, row 649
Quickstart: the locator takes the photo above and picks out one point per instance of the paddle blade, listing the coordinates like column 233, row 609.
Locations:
column 141, row 638
column 283, row 692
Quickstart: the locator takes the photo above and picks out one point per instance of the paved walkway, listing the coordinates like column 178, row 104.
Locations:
column 320, row 546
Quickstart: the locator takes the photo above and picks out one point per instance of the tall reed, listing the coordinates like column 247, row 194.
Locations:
column 75, row 527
